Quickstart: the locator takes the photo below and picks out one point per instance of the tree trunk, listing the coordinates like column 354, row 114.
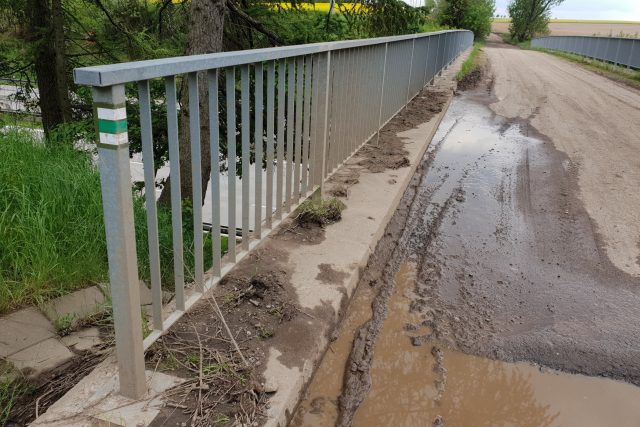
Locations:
column 46, row 22
column 205, row 36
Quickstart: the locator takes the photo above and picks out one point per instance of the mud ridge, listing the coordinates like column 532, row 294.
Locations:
column 380, row 272
column 386, row 150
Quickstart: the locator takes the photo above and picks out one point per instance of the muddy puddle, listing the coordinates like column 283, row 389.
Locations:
column 428, row 384
column 416, row 386
column 497, row 266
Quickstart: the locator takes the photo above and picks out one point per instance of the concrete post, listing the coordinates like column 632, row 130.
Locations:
column 115, row 176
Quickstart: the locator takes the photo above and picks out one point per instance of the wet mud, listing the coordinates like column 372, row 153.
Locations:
column 386, row 150
column 490, row 260
column 433, row 385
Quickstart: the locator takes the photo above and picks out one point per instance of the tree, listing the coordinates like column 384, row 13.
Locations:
column 529, row 17
column 205, row 36
column 46, row 27
column 474, row 15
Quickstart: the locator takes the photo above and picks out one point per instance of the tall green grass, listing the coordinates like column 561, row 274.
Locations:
column 51, row 233
column 52, row 237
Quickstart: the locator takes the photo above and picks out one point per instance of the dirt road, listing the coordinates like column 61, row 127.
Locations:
column 592, row 119
column 516, row 242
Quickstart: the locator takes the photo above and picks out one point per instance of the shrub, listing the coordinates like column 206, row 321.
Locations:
column 474, row 15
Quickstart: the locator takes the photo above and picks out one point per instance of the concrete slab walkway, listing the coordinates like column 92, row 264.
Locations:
column 29, row 338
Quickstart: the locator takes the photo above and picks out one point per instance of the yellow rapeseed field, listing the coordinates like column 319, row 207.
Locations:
column 322, row 7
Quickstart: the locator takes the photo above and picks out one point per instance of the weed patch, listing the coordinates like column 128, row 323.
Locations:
column 471, row 64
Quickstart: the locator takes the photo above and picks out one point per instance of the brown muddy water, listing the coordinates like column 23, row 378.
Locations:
column 497, row 278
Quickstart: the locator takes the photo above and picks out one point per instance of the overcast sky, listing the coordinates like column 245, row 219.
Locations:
column 626, row 10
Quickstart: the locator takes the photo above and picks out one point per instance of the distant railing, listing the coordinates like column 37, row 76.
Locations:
column 331, row 98
column 616, row 50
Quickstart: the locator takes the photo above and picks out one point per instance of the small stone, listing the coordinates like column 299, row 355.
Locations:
column 254, row 302
column 82, row 340
column 270, row 385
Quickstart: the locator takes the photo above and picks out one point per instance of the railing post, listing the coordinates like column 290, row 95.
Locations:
column 115, row 176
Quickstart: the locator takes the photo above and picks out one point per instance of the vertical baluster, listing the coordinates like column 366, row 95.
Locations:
column 246, row 141
column 291, row 92
column 282, row 94
column 214, row 142
column 271, row 78
column 231, row 159
column 196, row 179
column 306, row 124
column 298, row 135
column 323, row 90
column 257, row 230
column 176, row 197
column 313, row 138
column 383, row 82
column 146, row 135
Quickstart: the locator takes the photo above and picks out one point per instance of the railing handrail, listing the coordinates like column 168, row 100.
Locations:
column 126, row 72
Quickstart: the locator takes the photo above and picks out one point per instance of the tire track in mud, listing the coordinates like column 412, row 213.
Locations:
column 381, row 270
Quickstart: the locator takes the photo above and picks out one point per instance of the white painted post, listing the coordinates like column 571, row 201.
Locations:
column 115, row 176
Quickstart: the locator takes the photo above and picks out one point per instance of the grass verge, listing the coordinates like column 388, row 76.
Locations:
column 471, row 62
column 52, row 237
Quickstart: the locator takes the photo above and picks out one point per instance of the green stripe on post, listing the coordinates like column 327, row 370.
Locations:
column 110, row 126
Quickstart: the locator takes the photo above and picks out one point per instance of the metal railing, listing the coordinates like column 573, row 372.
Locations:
column 616, row 50
column 323, row 101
